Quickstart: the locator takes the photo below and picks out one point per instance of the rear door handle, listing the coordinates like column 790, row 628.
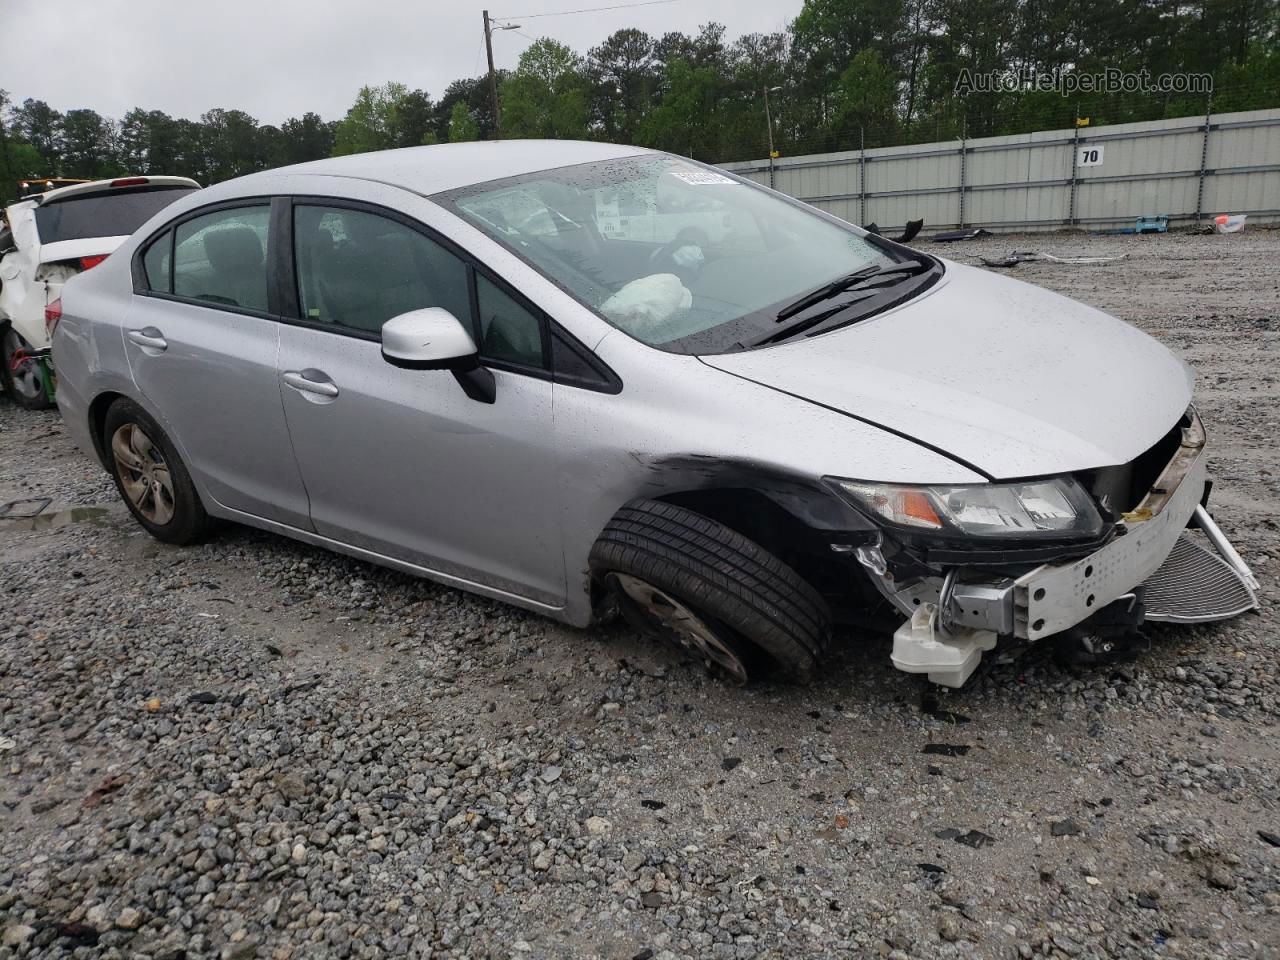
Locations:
column 311, row 381
column 149, row 338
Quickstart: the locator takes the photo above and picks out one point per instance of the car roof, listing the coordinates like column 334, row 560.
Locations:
column 448, row 166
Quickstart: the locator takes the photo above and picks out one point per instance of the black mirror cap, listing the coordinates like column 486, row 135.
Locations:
column 468, row 362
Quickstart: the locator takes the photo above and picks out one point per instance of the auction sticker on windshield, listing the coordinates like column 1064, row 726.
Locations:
column 700, row 177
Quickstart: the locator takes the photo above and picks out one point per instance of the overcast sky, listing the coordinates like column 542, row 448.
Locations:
column 280, row 58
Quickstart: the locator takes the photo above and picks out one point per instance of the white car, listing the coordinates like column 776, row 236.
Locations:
column 49, row 238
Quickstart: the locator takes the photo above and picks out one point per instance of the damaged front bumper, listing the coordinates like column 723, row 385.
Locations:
column 1152, row 566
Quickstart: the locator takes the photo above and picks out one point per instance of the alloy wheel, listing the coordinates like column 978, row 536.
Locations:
column 24, row 370
column 144, row 474
column 684, row 625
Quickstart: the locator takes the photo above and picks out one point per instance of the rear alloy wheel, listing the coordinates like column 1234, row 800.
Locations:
column 151, row 477
column 23, row 374
column 144, row 475
column 687, row 578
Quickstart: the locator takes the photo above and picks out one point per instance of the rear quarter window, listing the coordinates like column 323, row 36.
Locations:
column 157, row 262
column 114, row 214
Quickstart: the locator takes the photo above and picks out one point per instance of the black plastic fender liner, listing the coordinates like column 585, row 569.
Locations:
column 809, row 502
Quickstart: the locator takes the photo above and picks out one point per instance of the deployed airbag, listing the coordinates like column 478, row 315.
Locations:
column 646, row 307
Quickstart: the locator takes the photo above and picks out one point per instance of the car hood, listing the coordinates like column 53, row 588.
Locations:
column 1007, row 377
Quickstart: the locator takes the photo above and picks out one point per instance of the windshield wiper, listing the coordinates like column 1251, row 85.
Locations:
column 859, row 278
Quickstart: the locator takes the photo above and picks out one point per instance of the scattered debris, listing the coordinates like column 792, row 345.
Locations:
column 1159, row 224
column 728, row 763
column 24, row 509
column 1229, row 223
column 946, row 749
column 906, row 236
column 931, row 706
column 652, row 804
column 951, row 236
column 1032, row 256
column 976, row 839
column 301, row 687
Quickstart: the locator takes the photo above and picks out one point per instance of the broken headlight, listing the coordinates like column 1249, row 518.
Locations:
column 1036, row 508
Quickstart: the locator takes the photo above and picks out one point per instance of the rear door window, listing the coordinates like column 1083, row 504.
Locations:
column 221, row 258
column 113, row 214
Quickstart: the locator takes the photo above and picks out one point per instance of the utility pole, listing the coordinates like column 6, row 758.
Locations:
column 493, row 77
column 489, row 26
column 768, row 122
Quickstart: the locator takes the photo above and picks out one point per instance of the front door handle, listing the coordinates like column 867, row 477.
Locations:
column 311, row 381
column 149, row 338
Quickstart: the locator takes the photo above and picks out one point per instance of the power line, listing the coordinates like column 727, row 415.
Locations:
column 568, row 13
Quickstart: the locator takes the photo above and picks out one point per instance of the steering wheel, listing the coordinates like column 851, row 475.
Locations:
column 687, row 237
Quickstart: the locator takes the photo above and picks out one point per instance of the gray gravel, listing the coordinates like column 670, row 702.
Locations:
column 256, row 749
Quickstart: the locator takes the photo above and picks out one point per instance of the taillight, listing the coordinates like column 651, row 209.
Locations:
column 88, row 263
column 130, row 182
column 52, row 314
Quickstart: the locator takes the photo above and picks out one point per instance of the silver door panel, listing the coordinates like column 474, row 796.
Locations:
column 213, row 375
column 402, row 463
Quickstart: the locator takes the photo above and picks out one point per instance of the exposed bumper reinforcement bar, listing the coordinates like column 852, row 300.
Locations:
column 1181, row 581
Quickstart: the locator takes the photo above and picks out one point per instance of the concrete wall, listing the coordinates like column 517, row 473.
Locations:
column 1178, row 168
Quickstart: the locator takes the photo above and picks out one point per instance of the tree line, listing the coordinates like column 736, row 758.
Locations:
column 844, row 74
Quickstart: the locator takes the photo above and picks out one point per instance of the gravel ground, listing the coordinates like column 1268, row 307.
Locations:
column 254, row 748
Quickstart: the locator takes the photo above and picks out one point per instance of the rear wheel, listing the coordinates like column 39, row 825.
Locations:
column 685, row 577
column 151, row 477
column 23, row 374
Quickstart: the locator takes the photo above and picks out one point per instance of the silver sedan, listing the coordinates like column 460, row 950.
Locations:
column 582, row 377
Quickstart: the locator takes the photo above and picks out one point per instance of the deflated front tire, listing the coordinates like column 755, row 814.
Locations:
column 693, row 580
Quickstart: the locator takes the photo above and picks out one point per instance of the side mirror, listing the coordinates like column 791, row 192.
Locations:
column 428, row 339
column 433, row 339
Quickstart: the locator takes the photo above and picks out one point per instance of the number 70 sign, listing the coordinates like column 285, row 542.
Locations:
column 1089, row 156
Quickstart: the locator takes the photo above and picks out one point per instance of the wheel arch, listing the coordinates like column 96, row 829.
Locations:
column 795, row 518
column 97, row 415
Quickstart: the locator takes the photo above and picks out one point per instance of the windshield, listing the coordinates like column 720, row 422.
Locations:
column 114, row 214
column 679, row 256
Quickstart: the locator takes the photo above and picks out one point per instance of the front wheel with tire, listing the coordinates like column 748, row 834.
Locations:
column 691, row 579
column 151, row 477
column 23, row 375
